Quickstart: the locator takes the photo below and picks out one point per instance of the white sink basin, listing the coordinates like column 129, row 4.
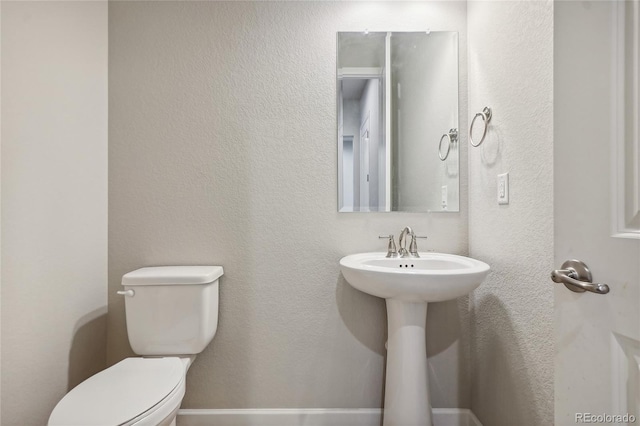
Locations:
column 433, row 277
column 408, row 284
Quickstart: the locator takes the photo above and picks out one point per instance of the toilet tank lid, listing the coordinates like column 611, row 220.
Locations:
column 172, row 275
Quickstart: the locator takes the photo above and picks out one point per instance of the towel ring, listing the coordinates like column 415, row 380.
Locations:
column 486, row 118
column 452, row 136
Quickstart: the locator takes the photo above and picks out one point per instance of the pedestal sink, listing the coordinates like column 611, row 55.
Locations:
column 408, row 285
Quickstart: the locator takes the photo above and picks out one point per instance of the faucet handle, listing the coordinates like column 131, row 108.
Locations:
column 391, row 248
column 413, row 247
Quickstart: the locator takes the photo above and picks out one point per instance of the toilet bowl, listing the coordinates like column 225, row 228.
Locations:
column 135, row 391
column 171, row 311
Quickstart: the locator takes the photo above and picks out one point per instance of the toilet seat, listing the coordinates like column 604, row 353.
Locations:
column 135, row 391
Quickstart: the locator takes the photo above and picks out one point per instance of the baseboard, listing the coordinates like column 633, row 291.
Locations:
column 312, row 417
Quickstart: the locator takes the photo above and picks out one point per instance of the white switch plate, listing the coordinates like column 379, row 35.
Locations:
column 445, row 197
column 503, row 188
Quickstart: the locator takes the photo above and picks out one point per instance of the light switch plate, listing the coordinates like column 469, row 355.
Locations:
column 445, row 197
column 503, row 188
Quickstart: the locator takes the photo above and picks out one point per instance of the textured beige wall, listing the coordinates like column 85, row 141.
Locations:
column 222, row 150
column 54, row 202
column 511, row 71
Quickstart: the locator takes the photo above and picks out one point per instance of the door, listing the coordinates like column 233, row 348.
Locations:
column 364, row 164
column 597, row 336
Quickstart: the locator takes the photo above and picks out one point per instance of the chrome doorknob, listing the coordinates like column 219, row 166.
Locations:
column 575, row 275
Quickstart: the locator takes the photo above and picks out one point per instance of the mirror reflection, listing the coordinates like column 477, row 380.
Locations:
column 398, row 121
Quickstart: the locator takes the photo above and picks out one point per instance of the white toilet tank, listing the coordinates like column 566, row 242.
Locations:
column 171, row 310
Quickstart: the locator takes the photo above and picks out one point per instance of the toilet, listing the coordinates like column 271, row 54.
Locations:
column 172, row 315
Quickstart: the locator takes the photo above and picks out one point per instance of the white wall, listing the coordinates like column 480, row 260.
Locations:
column 222, row 150
column 511, row 71
column 54, row 202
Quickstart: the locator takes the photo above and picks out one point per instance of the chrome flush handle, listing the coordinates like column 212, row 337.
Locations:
column 576, row 277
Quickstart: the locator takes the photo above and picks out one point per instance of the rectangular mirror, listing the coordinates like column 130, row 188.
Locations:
column 398, row 121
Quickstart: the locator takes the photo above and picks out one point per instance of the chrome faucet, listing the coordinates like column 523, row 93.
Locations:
column 403, row 252
column 403, row 244
column 413, row 245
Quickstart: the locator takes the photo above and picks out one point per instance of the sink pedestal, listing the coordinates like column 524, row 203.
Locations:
column 406, row 401
column 431, row 277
